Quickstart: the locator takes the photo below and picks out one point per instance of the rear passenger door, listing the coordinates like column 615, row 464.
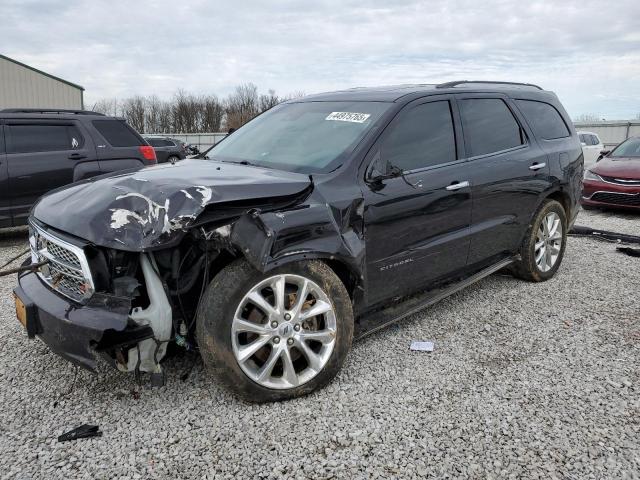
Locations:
column 118, row 145
column 5, row 206
column 41, row 155
column 508, row 172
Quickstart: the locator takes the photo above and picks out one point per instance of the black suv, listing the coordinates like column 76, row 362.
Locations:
column 41, row 150
column 321, row 220
column 167, row 149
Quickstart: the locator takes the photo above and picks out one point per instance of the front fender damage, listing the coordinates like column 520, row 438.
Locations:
column 315, row 230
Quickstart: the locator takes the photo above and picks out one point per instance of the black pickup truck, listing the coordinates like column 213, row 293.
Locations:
column 41, row 150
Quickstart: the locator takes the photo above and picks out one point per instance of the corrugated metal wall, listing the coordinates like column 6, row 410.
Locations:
column 23, row 87
column 611, row 133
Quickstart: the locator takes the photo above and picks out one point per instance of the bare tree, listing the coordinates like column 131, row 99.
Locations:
column 242, row 105
column 587, row 117
column 153, row 106
column 107, row 106
column 268, row 101
column 133, row 110
column 188, row 113
column 293, row 96
column 212, row 114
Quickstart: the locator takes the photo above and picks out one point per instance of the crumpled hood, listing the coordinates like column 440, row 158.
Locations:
column 145, row 208
column 618, row 167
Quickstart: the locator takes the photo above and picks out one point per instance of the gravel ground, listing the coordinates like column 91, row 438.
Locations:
column 526, row 381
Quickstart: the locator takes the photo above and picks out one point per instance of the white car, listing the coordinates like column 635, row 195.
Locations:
column 591, row 147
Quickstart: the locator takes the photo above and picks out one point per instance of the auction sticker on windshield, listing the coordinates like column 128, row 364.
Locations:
column 348, row 117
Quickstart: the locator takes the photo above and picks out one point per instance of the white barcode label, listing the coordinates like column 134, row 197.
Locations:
column 348, row 117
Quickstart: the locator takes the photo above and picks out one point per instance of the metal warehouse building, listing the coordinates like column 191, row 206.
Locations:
column 28, row 87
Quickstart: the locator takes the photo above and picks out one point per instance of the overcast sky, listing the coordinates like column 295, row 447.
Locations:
column 588, row 52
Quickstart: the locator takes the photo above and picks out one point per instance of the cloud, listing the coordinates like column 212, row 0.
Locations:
column 587, row 52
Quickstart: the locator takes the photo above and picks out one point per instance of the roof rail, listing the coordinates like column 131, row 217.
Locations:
column 463, row 82
column 50, row 110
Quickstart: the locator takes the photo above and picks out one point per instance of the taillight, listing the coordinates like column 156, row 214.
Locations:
column 148, row 153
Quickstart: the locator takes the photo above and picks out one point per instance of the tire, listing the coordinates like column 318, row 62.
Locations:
column 222, row 339
column 527, row 268
column 173, row 159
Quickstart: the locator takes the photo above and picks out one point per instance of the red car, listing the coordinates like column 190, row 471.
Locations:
column 614, row 181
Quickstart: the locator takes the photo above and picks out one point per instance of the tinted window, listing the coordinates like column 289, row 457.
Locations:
column 582, row 138
column 489, row 126
column 117, row 133
column 544, row 119
column 1, row 139
column 42, row 138
column 594, row 140
column 422, row 137
column 155, row 142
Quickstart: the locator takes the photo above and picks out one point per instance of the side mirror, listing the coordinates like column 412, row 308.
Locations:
column 379, row 169
column 603, row 153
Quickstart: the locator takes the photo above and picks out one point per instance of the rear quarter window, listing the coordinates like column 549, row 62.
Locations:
column 545, row 120
column 118, row 133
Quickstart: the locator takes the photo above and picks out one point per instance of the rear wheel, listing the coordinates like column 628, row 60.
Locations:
column 278, row 335
column 544, row 244
column 173, row 159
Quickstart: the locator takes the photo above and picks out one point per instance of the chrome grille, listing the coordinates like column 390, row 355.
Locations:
column 67, row 271
column 65, row 255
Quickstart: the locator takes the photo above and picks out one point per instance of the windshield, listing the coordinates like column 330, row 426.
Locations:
column 309, row 137
column 630, row 148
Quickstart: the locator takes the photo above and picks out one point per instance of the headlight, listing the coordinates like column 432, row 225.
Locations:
column 589, row 175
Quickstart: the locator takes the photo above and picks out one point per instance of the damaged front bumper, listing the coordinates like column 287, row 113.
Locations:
column 77, row 332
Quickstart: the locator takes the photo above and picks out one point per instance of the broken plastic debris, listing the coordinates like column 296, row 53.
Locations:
column 419, row 346
column 83, row 431
column 632, row 252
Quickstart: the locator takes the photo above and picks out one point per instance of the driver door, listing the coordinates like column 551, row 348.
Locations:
column 417, row 224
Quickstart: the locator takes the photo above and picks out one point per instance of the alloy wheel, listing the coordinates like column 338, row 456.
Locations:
column 548, row 242
column 283, row 331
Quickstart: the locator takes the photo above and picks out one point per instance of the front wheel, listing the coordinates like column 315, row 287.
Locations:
column 277, row 335
column 543, row 247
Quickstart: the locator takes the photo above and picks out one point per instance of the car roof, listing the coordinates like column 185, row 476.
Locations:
column 584, row 132
column 408, row 92
column 53, row 114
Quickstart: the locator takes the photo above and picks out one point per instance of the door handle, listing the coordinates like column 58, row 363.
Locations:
column 457, row 185
column 77, row 156
column 537, row 166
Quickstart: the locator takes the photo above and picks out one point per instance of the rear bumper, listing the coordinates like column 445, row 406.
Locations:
column 77, row 332
column 604, row 194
